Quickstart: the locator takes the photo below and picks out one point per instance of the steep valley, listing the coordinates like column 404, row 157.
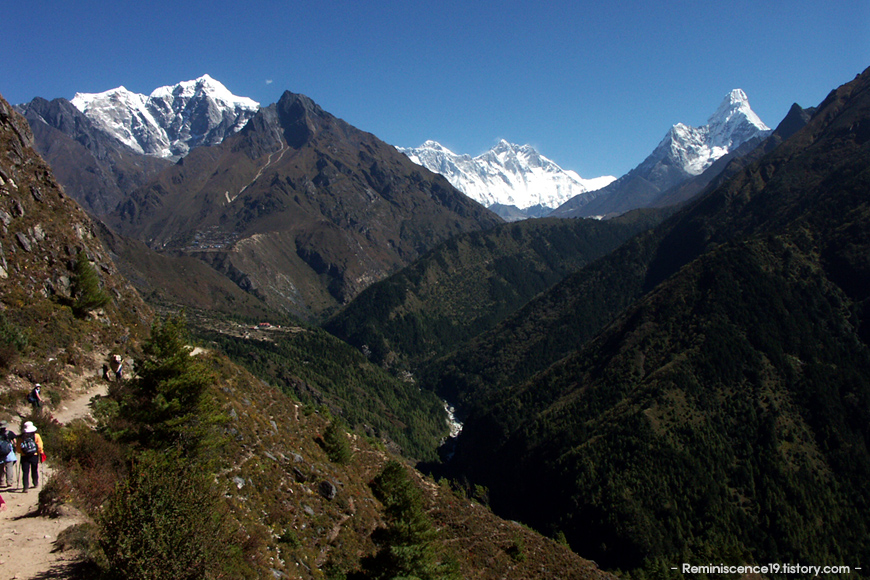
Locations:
column 684, row 384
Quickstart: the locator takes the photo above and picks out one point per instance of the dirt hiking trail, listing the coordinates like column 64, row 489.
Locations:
column 27, row 540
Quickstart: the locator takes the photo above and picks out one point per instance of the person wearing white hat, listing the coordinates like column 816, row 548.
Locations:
column 29, row 445
column 34, row 397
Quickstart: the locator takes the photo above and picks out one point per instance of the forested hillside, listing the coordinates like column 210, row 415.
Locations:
column 473, row 281
column 317, row 369
column 721, row 413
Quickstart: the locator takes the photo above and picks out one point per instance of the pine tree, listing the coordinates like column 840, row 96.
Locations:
column 406, row 545
column 336, row 443
column 167, row 393
column 86, row 287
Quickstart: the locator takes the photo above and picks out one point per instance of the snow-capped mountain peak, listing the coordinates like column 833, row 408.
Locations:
column 685, row 153
column 204, row 85
column 734, row 121
column 124, row 115
column 735, row 103
column 507, row 175
column 694, row 149
column 172, row 119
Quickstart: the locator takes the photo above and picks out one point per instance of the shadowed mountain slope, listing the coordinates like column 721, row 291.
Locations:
column 721, row 411
column 473, row 281
column 94, row 168
column 559, row 321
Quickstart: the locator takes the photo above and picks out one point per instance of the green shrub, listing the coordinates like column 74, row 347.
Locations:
column 54, row 493
column 480, row 493
column 84, row 538
column 162, row 406
column 517, row 549
column 95, row 464
column 166, row 521
column 12, row 342
column 54, row 398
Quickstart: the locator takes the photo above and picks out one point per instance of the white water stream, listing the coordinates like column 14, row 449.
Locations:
column 454, row 425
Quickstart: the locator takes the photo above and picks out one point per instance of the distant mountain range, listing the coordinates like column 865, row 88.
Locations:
column 298, row 208
column 292, row 167
column 684, row 153
column 517, row 182
column 514, row 181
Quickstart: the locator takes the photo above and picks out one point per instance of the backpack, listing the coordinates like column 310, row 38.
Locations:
column 28, row 445
column 5, row 448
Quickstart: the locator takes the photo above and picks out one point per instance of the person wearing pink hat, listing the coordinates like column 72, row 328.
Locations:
column 29, row 445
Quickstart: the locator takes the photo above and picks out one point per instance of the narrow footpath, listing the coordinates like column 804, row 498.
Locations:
column 27, row 541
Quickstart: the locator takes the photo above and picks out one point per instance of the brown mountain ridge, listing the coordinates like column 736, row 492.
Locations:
column 299, row 208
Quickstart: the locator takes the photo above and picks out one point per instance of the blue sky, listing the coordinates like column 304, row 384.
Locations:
column 592, row 85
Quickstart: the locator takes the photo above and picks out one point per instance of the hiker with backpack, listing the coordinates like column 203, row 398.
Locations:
column 29, row 446
column 34, row 398
column 7, row 456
